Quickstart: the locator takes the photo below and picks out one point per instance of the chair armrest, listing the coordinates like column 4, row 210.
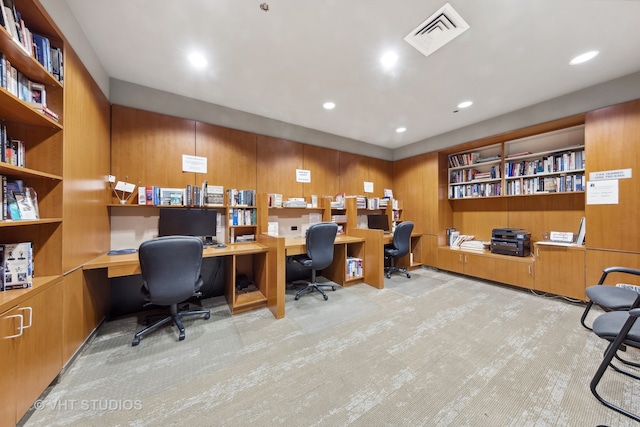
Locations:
column 635, row 312
column 617, row 269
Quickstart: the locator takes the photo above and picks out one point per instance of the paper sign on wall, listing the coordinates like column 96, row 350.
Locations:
column 303, row 175
column 612, row 174
column 368, row 187
column 194, row 164
column 602, row 192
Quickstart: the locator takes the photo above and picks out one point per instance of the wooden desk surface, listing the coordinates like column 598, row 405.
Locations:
column 126, row 265
column 296, row 245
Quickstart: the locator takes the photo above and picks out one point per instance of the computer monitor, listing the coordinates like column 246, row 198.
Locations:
column 378, row 222
column 188, row 222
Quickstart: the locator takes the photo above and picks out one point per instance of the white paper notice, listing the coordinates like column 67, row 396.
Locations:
column 194, row 164
column 303, row 175
column 368, row 187
column 602, row 192
column 125, row 186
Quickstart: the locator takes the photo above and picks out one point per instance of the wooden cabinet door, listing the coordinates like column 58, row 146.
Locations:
column 451, row 260
column 9, row 326
column 515, row 272
column 479, row 266
column 560, row 270
column 39, row 349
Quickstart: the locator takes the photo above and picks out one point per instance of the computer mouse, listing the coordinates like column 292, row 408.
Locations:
column 221, row 245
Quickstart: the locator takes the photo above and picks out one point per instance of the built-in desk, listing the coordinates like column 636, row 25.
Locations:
column 344, row 247
column 250, row 259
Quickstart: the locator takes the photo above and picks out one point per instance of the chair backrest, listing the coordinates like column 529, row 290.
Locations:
column 171, row 268
column 320, row 240
column 402, row 238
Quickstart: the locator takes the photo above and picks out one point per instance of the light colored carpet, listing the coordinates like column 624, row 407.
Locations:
column 434, row 350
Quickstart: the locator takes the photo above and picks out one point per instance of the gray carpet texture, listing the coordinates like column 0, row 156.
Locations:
column 437, row 349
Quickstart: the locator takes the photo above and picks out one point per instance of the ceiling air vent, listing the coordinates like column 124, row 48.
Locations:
column 437, row 30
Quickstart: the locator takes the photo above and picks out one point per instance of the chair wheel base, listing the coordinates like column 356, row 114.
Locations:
column 135, row 342
column 207, row 316
column 181, row 336
column 325, row 297
column 297, row 297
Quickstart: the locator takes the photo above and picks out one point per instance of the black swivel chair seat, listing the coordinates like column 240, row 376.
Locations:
column 171, row 275
column 398, row 248
column 319, row 243
column 611, row 298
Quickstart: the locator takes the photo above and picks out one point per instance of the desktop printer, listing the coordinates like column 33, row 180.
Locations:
column 510, row 241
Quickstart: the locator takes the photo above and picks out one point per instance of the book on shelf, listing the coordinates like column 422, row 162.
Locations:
column 215, row 195
column 275, row 200
column 17, row 265
column 581, row 232
column 171, row 196
column 27, row 203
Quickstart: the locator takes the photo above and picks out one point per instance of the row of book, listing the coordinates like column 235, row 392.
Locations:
column 559, row 184
column 354, row 267
column 563, row 162
column 18, row 202
column 205, row 195
column 467, row 175
column 12, row 151
column 24, row 89
column 475, row 190
column 16, row 265
column 35, row 45
column 243, row 216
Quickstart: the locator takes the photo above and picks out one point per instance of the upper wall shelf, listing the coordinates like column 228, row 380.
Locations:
column 553, row 162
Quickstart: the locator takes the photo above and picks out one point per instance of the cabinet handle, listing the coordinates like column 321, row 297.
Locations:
column 461, row 258
column 529, row 269
column 538, row 252
column 465, row 259
column 21, row 327
column 30, row 310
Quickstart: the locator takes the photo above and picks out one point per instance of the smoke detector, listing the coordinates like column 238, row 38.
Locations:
column 437, row 30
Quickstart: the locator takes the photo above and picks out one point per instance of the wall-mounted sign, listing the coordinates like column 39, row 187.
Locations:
column 303, row 175
column 368, row 187
column 194, row 164
column 615, row 174
column 602, row 192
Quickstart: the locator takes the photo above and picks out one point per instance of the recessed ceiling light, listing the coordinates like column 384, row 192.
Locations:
column 465, row 104
column 389, row 59
column 401, row 129
column 584, row 57
column 197, row 60
column 329, row 105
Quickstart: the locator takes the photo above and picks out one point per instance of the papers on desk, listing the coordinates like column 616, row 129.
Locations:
column 550, row 243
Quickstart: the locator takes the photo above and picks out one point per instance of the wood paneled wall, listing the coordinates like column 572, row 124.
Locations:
column 147, row 148
column 278, row 160
column 231, row 156
column 86, row 166
column 612, row 139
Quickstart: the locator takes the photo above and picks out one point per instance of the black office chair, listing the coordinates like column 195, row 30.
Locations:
column 611, row 298
column 171, row 275
column 399, row 248
column 620, row 329
column 319, row 243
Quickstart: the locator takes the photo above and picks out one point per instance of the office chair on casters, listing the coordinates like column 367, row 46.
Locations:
column 611, row 298
column 398, row 248
column 319, row 242
column 171, row 274
column 620, row 329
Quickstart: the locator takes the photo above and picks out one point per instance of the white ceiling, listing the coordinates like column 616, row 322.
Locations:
column 285, row 63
